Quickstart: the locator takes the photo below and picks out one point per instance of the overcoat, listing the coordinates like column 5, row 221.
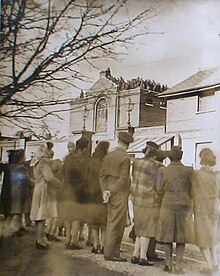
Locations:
column 146, row 199
column 15, row 195
column 115, row 177
column 74, row 195
column 205, row 191
column 175, row 222
column 41, row 207
column 97, row 210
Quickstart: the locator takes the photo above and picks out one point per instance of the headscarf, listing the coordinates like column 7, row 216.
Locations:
column 42, row 151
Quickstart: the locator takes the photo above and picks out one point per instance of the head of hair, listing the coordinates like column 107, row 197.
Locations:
column 176, row 153
column 82, row 143
column 207, row 157
column 101, row 149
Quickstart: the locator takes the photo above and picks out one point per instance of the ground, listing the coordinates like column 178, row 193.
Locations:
column 18, row 256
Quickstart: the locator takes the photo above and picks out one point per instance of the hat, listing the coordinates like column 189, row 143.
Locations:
column 176, row 153
column 150, row 144
column 125, row 137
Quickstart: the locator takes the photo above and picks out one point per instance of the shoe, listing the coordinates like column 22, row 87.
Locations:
column 145, row 262
column 23, row 230
column 41, row 246
column 168, row 268
column 74, row 246
column 95, row 250
column 134, row 260
column 207, row 271
column 115, row 259
column 156, row 259
column 54, row 238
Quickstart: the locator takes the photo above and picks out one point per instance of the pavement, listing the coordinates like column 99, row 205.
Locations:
column 18, row 256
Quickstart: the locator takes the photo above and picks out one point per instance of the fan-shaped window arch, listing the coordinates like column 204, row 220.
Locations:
column 101, row 115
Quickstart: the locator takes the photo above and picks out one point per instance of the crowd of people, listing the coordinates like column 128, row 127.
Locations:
column 172, row 204
column 122, row 84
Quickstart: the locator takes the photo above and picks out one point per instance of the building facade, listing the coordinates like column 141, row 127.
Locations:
column 193, row 109
column 113, row 105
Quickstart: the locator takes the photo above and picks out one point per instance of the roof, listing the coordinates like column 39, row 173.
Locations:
column 199, row 81
column 140, row 142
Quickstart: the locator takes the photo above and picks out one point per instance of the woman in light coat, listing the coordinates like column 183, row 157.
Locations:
column 44, row 177
column 205, row 190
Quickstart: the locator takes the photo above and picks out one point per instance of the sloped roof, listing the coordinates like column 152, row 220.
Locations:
column 200, row 80
column 103, row 83
column 140, row 142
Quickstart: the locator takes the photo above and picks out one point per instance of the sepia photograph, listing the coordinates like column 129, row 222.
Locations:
column 109, row 137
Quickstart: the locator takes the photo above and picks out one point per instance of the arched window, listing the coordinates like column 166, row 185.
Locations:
column 101, row 115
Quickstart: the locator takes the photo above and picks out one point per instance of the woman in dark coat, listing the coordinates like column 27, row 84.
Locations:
column 15, row 195
column 175, row 218
column 205, row 191
column 97, row 210
column 74, row 195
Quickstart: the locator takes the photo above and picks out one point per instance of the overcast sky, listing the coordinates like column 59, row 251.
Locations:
column 190, row 42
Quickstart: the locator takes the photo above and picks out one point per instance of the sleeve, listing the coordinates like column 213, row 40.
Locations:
column 103, row 178
column 160, row 181
column 124, row 178
column 49, row 176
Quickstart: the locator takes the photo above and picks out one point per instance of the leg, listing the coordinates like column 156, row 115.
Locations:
column 151, row 252
column 89, row 241
column 40, row 228
column 81, row 230
column 180, row 247
column 54, row 227
column 117, row 208
column 75, row 231
column 49, row 223
column 102, row 239
column 208, row 256
column 168, row 248
column 136, row 253
column 67, row 225
column 95, row 233
column 144, row 242
column 214, row 254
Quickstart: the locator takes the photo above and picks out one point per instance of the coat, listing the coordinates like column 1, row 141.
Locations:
column 146, row 199
column 205, row 192
column 41, row 207
column 175, row 222
column 97, row 210
column 115, row 177
column 15, row 195
column 74, row 195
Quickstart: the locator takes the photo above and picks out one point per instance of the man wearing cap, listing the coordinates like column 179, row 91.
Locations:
column 115, row 186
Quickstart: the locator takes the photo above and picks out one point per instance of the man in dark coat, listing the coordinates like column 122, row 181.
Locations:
column 115, row 186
